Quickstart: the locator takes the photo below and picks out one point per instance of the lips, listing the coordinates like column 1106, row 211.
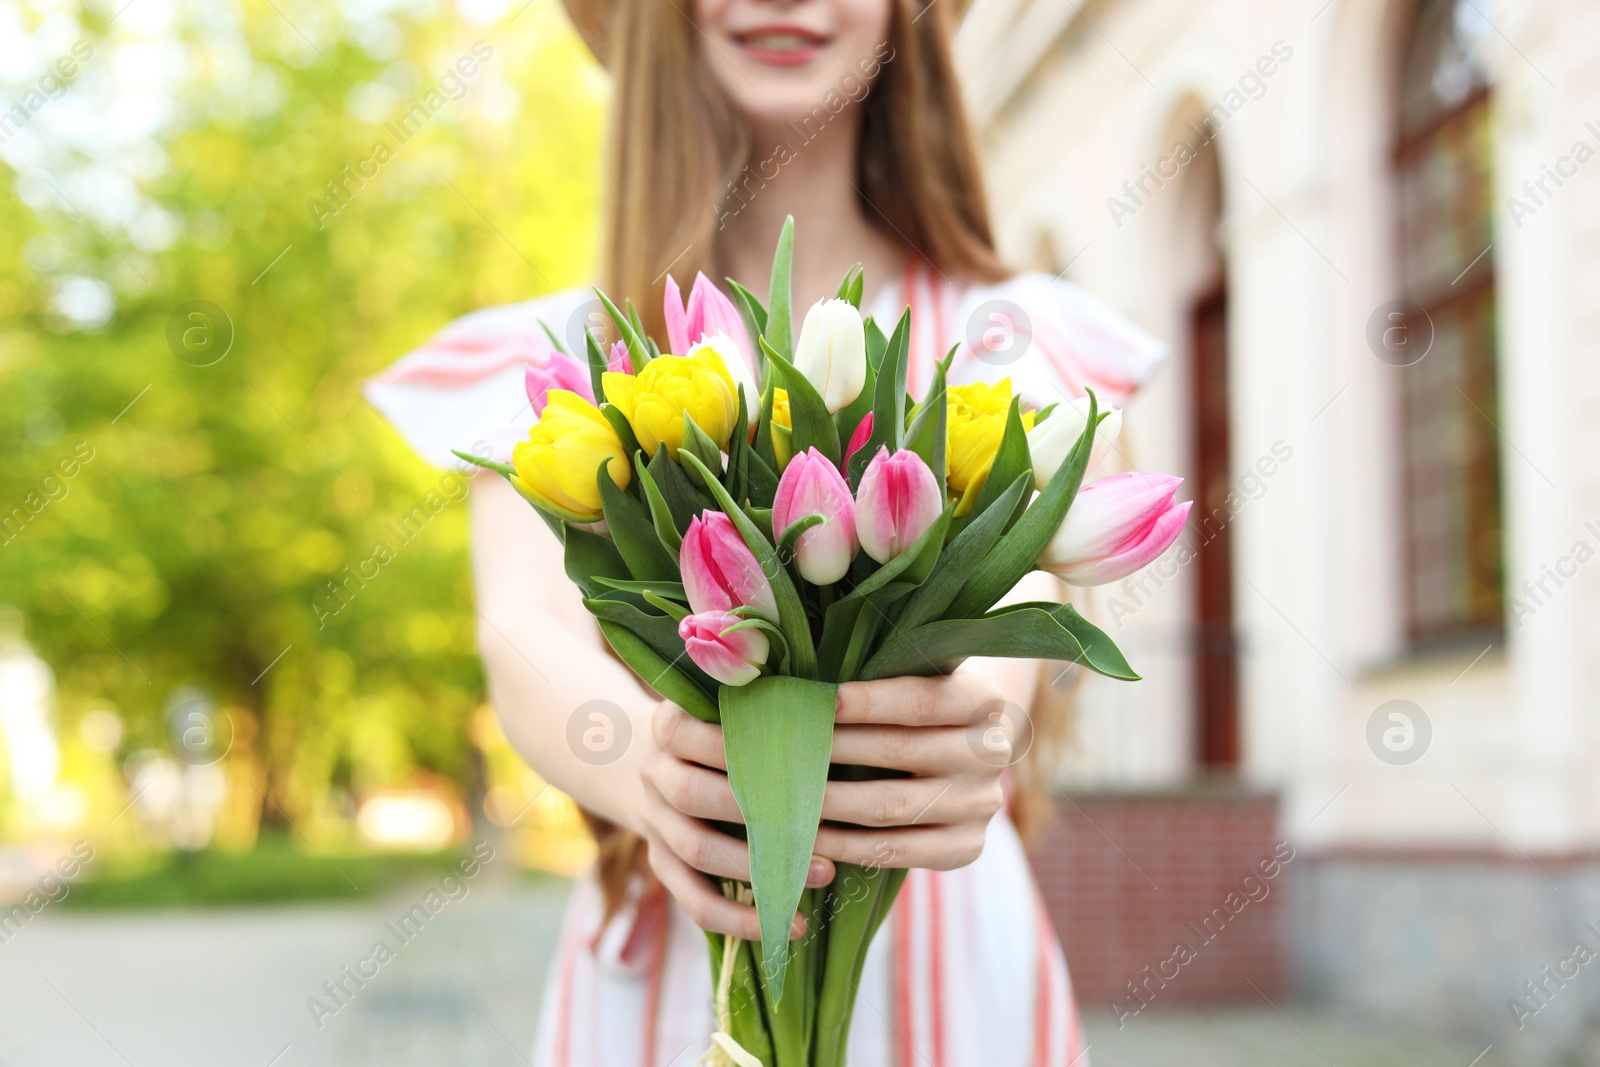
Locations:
column 783, row 45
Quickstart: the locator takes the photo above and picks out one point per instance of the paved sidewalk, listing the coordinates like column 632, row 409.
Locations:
column 203, row 988
column 1261, row 1037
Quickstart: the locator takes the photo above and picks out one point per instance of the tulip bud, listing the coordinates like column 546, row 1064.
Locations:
column 1050, row 441
column 709, row 314
column 811, row 485
column 832, row 352
column 859, row 439
column 558, row 463
column 782, row 430
column 720, row 572
column 621, row 360
column 896, row 503
column 1115, row 526
column 556, row 370
column 658, row 401
column 732, row 659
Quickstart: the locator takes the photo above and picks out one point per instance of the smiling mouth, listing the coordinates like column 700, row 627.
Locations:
column 782, row 43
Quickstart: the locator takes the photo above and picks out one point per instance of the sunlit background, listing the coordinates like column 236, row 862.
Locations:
column 242, row 722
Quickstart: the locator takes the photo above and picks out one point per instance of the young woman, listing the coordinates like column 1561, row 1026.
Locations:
column 729, row 115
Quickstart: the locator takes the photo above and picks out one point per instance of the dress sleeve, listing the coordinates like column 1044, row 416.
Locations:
column 1065, row 341
column 463, row 389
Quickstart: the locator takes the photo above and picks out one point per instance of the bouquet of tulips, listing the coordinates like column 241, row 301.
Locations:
column 747, row 545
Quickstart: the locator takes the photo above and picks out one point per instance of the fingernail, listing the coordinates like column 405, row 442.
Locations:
column 798, row 930
column 816, row 875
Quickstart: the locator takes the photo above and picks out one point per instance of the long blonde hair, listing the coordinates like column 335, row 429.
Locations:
column 677, row 151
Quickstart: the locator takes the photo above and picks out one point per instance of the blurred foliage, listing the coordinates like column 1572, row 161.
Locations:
column 179, row 164
column 274, row 871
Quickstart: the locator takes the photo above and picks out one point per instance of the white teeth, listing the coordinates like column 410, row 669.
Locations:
column 779, row 42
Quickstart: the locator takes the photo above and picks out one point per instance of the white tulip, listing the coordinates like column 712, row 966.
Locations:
column 738, row 368
column 1051, row 440
column 832, row 353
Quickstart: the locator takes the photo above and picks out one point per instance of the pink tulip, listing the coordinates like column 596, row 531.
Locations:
column 732, row 659
column 1115, row 526
column 556, row 370
column 896, row 503
column 720, row 572
column 620, row 361
column 812, row 485
column 708, row 314
column 859, row 439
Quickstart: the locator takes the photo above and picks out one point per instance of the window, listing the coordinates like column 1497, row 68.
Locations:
column 1450, row 450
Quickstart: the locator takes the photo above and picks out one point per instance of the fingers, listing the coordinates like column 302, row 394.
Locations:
column 926, row 750
column 694, row 842
column 954, row 700
column 904, row 802
column 692, row 789
column 939, row 848
column 683, row 735
column 701, row 901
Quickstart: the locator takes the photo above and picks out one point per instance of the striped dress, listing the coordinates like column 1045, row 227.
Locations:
column 967, row 970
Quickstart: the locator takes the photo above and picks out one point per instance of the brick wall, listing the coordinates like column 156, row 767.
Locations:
column 1187, row 884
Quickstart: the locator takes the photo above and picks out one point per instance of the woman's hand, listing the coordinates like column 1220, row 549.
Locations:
column 936, row 818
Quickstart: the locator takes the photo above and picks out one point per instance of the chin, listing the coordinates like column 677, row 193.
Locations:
column 781, row 102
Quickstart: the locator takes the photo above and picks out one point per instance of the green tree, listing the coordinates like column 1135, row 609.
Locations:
column 210, row 506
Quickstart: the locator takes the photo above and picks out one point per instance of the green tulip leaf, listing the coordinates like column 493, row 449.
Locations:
column 658, row 672
column 779, row 327
column 965, row 551
column 1101, row 654
column 487, row 464
column 637, row 348
column 940, row 647
column 633, row 532
column 661, row 516
column 777, row 734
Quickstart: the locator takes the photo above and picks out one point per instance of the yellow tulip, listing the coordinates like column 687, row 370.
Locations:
column 976, row 425
column 656, row 399
column 558, row 463
column 782, row 431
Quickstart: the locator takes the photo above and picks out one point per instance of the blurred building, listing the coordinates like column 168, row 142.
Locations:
column 1371, row 231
